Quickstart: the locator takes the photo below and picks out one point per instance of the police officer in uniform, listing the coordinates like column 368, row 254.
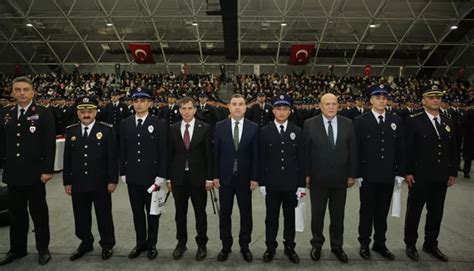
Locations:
column 90, row 176
column 115, row 111
column 143, row 153
column 381, row 155
column 62, row 116
column 281, row 177
column 170, row 112
column 431, row 169
column 261, row 112
column 206, row 112
column 27, row 148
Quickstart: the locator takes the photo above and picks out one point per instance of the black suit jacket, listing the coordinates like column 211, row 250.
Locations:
column 27, row 146
column 381, row 151
column 225, row 153
column 281, row 158
column 199, row 155
column 330, row 167
column 143, row 152
column 430, row 158
column 90, row 163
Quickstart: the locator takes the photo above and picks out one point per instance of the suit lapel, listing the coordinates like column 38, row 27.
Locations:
column 197, row 133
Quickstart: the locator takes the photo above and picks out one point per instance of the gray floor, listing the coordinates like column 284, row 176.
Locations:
column 456, row 240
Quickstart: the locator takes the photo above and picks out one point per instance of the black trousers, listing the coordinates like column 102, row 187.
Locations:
column 198, row 195
column 82, row 207
column 375, row 201
column 140, row 201
column 22, row 198
column 336, row 200
column 433, row 194
column 274, row 200
column 244, row 201
column 467, row 164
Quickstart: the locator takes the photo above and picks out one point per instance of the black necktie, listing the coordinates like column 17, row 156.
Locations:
column 381, row 122
column 85, row 132
column 438, row 126
column 22, row 114
column 330, row 133
column 282, row 130
column 139, row 125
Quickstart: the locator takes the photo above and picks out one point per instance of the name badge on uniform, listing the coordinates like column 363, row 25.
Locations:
column 394, row 126
column 32, row 129
column 448, row 129
column 99, row 135
column 151, row 128
column 292, row 136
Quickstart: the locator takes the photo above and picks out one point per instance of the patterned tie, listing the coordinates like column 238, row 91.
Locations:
column 330, row 133
column 236, row 136
column 86, row 134
column 187, row 137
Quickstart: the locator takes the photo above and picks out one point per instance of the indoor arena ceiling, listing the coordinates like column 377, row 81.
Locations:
column 349, row 34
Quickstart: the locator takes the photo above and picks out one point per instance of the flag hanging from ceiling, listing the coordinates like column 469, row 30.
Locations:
column 141, row 52
column 300, row 54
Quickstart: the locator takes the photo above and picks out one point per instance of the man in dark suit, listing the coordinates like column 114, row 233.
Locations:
column 90, row 176
column 143, row 163
column 380, row 142
column 281, row 176
column 431, row 169
column 115, row 111
column 170, row 112
column 27, row 148
column 331, row 165
column 235, row 156
column 261, row 112
column 191, row 175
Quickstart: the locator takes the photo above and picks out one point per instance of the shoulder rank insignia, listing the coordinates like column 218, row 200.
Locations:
column 106, row 124
column 72, row 125
column 416, row 114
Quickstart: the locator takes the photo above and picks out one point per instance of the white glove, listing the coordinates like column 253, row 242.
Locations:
column 156, row 186
column 398, row 181
column 301, row 192
column 263, row 190
column 123, row 179
column 359, row 181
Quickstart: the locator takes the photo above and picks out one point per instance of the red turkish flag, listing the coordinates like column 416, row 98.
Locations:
column 367, row 70
column 301, row 53
column 141, row 52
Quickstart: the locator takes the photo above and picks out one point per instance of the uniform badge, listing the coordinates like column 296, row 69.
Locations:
column 73, row 138
column 394, row 126
column 266, row 110
column 32, row 129
column 176, row 111
column 99, row 135
column 448, row 129
column 150, row 129
column 292, row 136
column 282, row 97
column 121, row 109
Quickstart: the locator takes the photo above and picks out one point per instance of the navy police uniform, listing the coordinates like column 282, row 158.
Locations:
column 260, row 114
column 281, row 158
column 170, row 113
column 143, row 153
column 432, row 160
column 380, row 141
column 90, row 164
column 27, row 148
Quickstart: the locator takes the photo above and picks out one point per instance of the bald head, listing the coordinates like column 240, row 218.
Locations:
column 329, row 105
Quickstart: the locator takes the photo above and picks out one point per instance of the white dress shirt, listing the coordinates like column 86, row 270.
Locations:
column 277, row 124
column 89, row 128
column 433, row 121
column 376, row 115
column 26, row 109
column 142, row 118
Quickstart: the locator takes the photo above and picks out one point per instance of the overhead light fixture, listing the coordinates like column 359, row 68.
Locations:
column 370, row 46
column 110, row 24
column 454, row 27
column 105, row 46
column 263, row 45
column 195, row 24
column 374, row 25
column 209, row 45
column 283, row 24
column 29, row 24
